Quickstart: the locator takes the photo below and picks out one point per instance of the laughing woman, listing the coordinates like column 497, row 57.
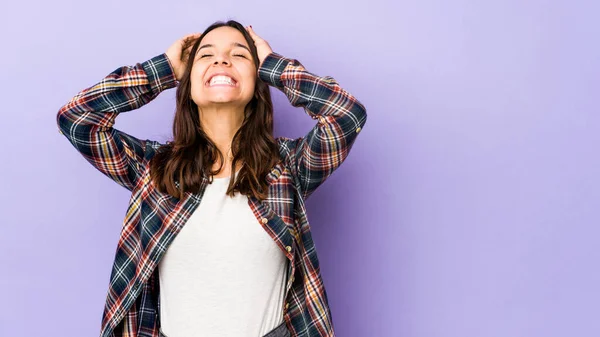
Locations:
column 216, row 241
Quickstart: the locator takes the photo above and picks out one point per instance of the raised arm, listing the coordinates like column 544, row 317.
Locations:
column 340, row 118
column 87, row 119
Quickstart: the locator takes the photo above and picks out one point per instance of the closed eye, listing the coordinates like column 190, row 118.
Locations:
column 241, row 55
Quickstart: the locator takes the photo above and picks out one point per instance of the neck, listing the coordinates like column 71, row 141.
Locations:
column 221, row 122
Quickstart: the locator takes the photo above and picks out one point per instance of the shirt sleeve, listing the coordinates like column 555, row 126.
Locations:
column 340, row 117
column 87, row 119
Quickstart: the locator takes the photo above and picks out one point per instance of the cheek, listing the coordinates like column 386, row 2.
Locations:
column 196, row 78
column 251, row 85
column 250, row 81
column 197, row 87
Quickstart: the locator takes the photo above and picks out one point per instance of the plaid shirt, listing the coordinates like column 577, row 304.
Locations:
column 153, row 219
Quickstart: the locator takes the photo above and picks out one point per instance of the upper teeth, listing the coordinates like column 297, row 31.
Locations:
column 221, row 79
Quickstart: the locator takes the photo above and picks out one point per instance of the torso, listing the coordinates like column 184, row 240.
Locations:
column 223, row 274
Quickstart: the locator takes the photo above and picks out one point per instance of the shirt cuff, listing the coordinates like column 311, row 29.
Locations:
column 160, row 73
column 271, row 69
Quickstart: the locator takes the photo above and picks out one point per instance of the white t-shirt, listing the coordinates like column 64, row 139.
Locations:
column 223, row 275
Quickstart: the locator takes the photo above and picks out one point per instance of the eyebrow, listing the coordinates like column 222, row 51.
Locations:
column 235, row 44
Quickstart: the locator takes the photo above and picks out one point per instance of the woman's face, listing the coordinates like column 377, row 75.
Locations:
column 223, row 72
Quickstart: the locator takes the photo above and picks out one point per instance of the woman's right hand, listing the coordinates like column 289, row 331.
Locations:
column 179, row 51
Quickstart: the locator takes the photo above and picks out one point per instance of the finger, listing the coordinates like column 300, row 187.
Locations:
column 251, row 31
column 191, row 37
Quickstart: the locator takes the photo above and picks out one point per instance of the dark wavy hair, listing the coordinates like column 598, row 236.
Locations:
column 189, row 158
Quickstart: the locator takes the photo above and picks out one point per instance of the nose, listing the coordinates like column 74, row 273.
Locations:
column 221, row 59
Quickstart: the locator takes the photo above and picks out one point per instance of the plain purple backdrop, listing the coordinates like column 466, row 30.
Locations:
column 469, row 205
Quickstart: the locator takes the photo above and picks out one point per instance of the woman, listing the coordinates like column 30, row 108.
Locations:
column 216, row 241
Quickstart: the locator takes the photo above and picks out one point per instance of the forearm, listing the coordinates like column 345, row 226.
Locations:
column 320, row 95
column 126, row 88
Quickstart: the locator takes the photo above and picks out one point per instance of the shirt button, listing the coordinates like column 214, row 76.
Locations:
column 264, row 220
column 287, row 305
column 288, row 248
column 60, row 131
column 358, row 130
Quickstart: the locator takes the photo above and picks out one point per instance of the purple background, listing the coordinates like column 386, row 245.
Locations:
column 469, row 205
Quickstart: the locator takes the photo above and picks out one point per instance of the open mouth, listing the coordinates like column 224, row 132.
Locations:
column 221, row 81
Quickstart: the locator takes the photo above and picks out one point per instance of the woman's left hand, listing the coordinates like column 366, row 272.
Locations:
column 262, row 47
